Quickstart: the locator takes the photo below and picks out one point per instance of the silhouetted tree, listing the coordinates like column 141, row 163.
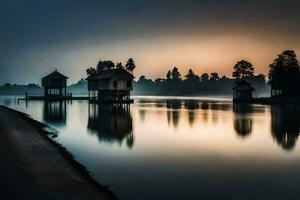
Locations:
column 243, row 69
column 204, row 77
column 214, row 76
column 130, row 65
column 224, row 78
column 284, row 73
column 176, row 74
column 191, row 76
column 32, row 85
column 159, row 80
column 119, row 65
column 169, row 75
column 260, row 77
column 91, row 71
column 7, row 85
column 102, row 65
column 142, row 78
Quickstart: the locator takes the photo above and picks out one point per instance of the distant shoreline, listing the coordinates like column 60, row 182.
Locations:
column 52, row 171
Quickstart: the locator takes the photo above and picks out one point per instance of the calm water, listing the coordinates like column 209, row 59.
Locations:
column 180, row 148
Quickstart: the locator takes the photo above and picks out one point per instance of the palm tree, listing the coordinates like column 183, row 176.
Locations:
column 130, row 65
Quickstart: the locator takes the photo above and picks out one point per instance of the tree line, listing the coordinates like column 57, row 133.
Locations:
column 175, row 83
column 192, row 84
column 284, row 76
column 108, row 65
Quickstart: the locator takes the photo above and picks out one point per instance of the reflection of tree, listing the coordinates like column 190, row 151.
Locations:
column 191, row 117
column 191, row 106
column 285, row 125
column 205, row 108
column 175, row 105
column 175, row 117
column 55, row 112
column 242, row 119
column 169, row 115
column 111, row 123
column 220, row 106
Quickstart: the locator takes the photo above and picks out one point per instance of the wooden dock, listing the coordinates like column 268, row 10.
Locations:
column 80, row 98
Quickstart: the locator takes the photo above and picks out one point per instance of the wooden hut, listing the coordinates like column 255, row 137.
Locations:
column 242, row 92
column 111, row 85
column 55, row 85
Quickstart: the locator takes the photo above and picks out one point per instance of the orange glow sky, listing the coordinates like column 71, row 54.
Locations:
column 205, row 35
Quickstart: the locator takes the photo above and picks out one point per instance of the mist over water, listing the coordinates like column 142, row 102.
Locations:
column 180, row 147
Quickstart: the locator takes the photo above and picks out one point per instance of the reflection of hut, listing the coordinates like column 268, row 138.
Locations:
column 243, row 126
column 55, row 112
column 242, row 92
column 111, row 85
column 285, row 125
column 111, row 123
column 55, row 85
column 242, row 119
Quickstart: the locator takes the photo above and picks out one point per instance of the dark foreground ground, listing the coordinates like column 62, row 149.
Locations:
column 33, row 167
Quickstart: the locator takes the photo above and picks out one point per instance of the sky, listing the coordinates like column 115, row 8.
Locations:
column 37, row 37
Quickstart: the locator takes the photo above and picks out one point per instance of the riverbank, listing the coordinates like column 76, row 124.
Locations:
column 35, row 167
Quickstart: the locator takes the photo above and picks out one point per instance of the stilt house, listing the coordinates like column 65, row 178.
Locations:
column 110, row 85
column 55, row 85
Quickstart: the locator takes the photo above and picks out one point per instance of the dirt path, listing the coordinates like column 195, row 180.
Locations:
column 32, row 167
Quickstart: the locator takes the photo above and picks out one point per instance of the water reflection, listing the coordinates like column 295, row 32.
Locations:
column 243, row 121
column 174, row 112
column 111, row 123
column 285, row 125
column 220, row 106
column 142, row 113
column 7, row 101
column 205, row 108
column 164, row 159
column 191, row 106
column 55, row 112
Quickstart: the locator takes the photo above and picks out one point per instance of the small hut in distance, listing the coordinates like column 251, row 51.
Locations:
column 55, row 85
column 242, row 92
column 110, row 85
